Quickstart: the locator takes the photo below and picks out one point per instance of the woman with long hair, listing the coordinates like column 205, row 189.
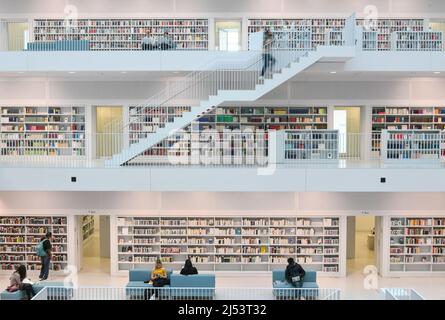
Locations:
column 16, row 282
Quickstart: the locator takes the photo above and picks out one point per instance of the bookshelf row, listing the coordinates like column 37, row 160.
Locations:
column 87, row 227
column 378, row 34
column 417, row 244
column 229, row 243
column 310, row 145
column 412, row 144
column 19, row 236
column 404, row 118
column 301, row 33
column 124, row 34
column 225, row 118
column 403, row 41
column 48, row 130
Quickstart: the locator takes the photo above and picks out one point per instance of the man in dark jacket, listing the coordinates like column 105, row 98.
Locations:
column 294, row 274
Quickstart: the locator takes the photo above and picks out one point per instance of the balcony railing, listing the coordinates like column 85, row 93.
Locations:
column 301, row 148
column 247, row 294
column 103, row 35
column 401, row 294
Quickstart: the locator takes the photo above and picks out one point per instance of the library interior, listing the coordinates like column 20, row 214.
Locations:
column 232, row 134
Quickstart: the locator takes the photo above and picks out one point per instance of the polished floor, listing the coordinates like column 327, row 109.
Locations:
column 96, row 272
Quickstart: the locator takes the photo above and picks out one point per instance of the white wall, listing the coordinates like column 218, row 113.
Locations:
column 216, row 7
column 199, row 203
column 416, row 91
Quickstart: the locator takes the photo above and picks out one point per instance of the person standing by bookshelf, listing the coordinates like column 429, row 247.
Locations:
column 148, row 41
column 268, row 59
column 44, row 252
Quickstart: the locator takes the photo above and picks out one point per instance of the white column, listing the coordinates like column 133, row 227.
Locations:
column 342, row 246
column 211, row 29
column 330, row 117
column 366, row 132
column 113, row 246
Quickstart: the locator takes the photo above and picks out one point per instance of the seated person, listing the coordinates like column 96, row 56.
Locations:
column 188, row 268
column 148, row 41
column 294, row 273
column 158, row 278
column 166, row 42
column 19, row 281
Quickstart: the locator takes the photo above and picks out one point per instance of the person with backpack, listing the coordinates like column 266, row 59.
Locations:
column 19, row 281
column 44, row 252
column 294, row 275
column 188, row 268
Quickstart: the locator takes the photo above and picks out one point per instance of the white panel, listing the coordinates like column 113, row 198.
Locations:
column 217, row 6
column 104, row 90
column 256, row 201
column 361, row 90
column 35, row 179
column 355, row 202
column 230, row 179
column 19, row 89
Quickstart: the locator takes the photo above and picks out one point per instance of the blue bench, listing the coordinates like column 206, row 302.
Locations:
column 136, row 287
column 63, row 45
column 283, row 289
column 200, row 286
column 16, row 295
column 57, row 291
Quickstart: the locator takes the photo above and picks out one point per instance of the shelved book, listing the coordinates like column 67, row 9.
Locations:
column 404, row 118
column 19, row 236
column 123, row 34
column 229, row 243
column 416, row 244
column 43, row 131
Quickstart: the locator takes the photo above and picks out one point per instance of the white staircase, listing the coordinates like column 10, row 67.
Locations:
column 285, row 71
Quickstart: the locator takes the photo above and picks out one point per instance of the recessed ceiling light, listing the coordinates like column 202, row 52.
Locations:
column 123, row 71
column 333, row 72
column 436, row 72
column 175, row 72
column 71, row 72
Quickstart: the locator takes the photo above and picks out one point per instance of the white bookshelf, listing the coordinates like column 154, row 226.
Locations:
column 230, row 243
column 385, row 28
column 19, row 236
column 87, row 227
column 404, row 118
column 402, row 145
column 42, row 131
column 304, row 33
column 242, row 118
column 145, row 120
column 369, row 41
column 417, row 41
column 309, row 145
column 416, row 245
column 124, row 34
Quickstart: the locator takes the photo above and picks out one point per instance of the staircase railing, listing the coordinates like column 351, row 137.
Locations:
column 198, row 86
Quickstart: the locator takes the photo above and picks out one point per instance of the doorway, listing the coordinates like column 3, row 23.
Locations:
column 93, row 243
column 347, row 122
column 228, row 35
column 14, row 35
column 109, row 130
column 362, row 244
